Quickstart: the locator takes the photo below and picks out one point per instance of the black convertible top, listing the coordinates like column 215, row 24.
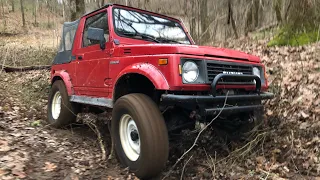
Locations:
column 66, row 43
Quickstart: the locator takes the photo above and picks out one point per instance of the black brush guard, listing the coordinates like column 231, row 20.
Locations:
column 213, row 104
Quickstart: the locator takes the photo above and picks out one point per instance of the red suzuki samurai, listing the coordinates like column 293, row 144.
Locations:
column 148, row 70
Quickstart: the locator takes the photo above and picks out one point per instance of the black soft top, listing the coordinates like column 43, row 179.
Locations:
column 66, row 43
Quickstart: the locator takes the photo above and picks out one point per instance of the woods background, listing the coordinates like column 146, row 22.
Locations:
column 207, row 20
column 285, row 34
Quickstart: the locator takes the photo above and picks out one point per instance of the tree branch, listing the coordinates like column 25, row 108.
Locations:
column 196, row 140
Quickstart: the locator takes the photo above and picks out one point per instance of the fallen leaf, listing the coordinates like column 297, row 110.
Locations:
column 49, row 167
column 260, row 159
column 269, row 112
column 20, row 174
column 304, row 115
column 3, row 172
column 4, row 146
column 304, row 125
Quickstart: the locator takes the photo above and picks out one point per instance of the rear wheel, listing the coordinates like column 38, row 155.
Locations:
column 61, row 112
column 140, row 135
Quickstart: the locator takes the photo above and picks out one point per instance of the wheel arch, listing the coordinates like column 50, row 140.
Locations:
column 133, row 76
column 133, row 83
column 148, row 70
column 64, row 76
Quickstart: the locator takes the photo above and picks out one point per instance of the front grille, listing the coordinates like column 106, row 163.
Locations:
column 214, row 68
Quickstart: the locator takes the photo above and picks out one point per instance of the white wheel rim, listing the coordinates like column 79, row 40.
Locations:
column 129, row 137
column 56, row 105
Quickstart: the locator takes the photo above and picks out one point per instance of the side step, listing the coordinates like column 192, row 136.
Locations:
column 105, row 102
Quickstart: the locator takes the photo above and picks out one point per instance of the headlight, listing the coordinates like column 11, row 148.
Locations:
column 190, row 71
column 256, row 71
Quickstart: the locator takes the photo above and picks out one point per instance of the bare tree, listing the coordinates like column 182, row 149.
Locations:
column 204, row 20
column 22, row 14
column 3, row 16
column 12, row 5
column 231, row 19
column 100, row 3
column 79, row 9
column 193, row 19
column 35, row 7
column 63, row 9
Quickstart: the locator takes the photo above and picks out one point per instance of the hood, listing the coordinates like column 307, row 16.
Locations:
column 206, row 51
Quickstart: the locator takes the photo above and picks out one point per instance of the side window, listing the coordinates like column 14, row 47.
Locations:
column 97, row 21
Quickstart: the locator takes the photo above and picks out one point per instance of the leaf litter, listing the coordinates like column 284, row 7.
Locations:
column 287, row 148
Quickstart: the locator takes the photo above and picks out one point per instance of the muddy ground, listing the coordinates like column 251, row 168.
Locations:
column 287, row 148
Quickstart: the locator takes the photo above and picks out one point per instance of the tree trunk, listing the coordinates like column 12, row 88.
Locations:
column 79, row 9
column 277, row 9
column 22, row 14
column 204, row 21
column 63, row 10
column 35, row 12
column 193, row 25
column 140, row 4
column 248, row 23
column 145, row 3
column 3, row 16
column 256, row 7
column 231, row 20
column 98, row 4
column 12, row 5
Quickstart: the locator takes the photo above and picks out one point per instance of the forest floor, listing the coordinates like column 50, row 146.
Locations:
column 287, row 148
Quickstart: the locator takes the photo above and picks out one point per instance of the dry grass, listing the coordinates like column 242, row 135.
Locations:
column 25, row 56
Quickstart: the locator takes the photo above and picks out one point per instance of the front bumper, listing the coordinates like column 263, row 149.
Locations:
column 235, row 103
column 212, row 104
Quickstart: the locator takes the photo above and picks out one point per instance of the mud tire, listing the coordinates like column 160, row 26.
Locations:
column 153, row 135
column 68, row 110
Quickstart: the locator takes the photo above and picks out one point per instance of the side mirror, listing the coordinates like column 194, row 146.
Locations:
column 97, row 34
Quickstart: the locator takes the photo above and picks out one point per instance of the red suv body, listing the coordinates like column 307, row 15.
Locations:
column 118, row 51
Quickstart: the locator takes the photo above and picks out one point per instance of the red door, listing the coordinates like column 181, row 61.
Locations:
column 92, row 62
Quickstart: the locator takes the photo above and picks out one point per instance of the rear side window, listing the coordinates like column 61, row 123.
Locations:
column 67, row 38
column 97, row 21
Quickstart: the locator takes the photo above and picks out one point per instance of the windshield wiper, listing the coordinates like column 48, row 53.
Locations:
column 163, row 40
column 143, row 36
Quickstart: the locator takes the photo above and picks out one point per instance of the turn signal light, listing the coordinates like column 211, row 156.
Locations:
column 180, row 69
column 163, row 61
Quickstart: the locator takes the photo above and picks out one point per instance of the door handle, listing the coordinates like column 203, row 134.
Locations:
column 80, row 57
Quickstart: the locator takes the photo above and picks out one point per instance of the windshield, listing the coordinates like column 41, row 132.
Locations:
column 133, row 24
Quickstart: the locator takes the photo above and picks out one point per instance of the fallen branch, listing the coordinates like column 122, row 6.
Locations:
column 95, row 129
column 112, row 143
column 181, row 178
column 196, row 140
column 23, row 68
column 211, row 162
column 93, row 122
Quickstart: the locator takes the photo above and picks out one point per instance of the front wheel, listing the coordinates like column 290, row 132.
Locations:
column 140, row 135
